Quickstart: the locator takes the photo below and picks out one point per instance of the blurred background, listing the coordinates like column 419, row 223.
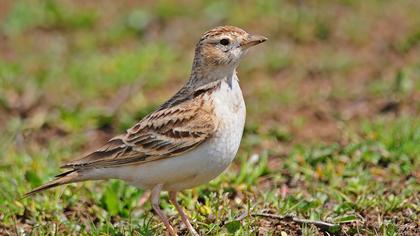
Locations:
column 333, row 98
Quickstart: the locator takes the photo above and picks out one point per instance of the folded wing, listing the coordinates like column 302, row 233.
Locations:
column 165, row 133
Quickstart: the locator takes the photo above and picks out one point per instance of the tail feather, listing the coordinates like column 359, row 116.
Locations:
column 70, row 176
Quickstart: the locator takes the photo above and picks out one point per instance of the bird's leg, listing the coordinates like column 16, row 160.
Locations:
column 184, row 218
column 155, row 204
column 143, row 199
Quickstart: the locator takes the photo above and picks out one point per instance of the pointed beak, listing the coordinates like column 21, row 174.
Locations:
column 253, row 40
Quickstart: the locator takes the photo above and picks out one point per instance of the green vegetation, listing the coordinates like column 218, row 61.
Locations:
column 332, row 131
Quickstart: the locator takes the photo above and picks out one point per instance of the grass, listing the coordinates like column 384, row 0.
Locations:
column 332, row 128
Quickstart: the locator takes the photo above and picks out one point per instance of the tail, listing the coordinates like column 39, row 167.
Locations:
column 70, row 176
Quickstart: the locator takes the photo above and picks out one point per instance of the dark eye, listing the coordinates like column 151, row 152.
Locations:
column 224, row 41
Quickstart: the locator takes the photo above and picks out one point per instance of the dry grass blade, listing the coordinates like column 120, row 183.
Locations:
column 324, row 226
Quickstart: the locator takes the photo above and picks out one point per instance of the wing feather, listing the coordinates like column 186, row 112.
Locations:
column 165, row 133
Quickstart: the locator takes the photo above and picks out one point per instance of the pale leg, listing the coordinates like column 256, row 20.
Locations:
column 155, row 204
column 144, row 198
column 184, row 218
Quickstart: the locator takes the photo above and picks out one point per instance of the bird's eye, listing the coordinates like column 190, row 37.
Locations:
column 224, row 41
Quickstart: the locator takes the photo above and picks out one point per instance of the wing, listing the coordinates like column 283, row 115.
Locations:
column 166, row 133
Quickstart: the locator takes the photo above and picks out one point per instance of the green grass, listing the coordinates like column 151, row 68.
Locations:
column 332, row 114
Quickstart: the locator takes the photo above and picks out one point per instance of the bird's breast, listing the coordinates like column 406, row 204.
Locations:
column 229, row 107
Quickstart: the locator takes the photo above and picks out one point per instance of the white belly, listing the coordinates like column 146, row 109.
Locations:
column 205, row 162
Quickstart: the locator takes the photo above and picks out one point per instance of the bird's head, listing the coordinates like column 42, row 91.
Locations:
column 221, row 49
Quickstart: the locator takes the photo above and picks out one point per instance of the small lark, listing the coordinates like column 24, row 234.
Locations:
column 189, row 140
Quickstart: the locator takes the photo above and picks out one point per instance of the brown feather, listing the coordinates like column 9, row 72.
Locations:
column 64, row 178
column 173, row 129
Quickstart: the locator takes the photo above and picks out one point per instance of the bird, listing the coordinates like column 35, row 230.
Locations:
column 188, row 140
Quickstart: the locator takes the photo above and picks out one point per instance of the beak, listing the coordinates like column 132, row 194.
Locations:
column 253, row 40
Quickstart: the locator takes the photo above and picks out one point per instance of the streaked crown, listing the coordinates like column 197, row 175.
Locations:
column 218, row 52
column 225, row 45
